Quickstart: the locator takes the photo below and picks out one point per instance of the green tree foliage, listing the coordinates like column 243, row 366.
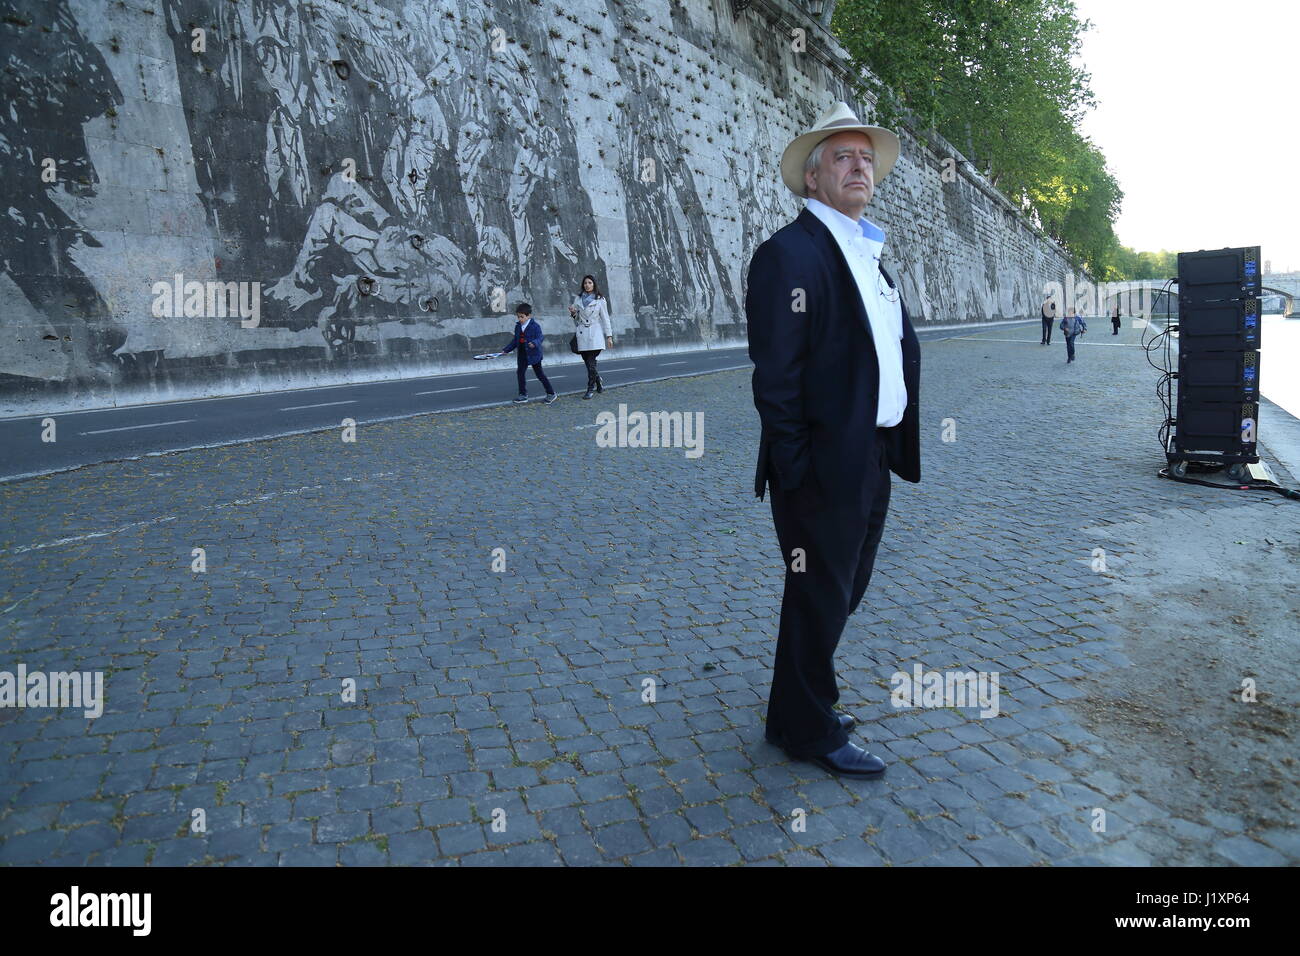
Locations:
column 1131, row 264
column 996, row 79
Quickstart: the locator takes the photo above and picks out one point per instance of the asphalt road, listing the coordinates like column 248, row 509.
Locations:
column 114, row 434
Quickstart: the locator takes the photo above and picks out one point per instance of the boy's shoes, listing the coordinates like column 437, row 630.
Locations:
column 521, row 399
column 550, row 399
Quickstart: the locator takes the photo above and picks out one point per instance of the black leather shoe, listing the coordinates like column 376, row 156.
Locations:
column 850, row 761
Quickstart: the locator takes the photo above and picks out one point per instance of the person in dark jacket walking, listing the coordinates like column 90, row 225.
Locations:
column 1114, row 320
column 527, row 343
column 1049, row 318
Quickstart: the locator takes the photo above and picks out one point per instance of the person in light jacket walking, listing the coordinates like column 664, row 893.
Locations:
column 590, row 311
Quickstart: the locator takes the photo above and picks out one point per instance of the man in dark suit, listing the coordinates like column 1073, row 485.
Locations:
column 836, row 384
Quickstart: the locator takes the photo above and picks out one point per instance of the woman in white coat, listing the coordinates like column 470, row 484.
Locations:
column 590, row 311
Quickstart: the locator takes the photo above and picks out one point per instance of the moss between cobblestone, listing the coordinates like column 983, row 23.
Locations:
column 377, row 839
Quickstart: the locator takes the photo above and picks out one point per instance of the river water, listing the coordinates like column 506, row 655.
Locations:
column 1279, row 362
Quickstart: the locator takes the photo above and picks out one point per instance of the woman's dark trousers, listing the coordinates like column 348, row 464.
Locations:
column 589, row 360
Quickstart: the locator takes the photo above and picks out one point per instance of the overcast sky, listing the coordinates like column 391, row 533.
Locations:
column 1198, row 113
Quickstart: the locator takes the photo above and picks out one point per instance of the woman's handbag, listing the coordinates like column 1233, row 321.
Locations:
column 573, row 345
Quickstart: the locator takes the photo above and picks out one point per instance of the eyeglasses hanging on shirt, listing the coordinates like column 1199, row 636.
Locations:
column 887, row 291
column 862, row 246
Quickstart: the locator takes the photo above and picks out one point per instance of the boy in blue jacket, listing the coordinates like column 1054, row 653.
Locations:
column 527, row 342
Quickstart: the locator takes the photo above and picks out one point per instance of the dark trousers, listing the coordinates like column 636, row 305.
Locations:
column 537, row 370
column 1069, row 348
column 1115, row 325
column 1047, row 332
column 838, row 547
column 589, row 360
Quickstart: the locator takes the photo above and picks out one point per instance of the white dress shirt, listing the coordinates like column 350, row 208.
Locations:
column 861, row 242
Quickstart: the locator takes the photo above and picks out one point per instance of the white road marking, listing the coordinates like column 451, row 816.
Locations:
column 87, row 537
column 153, row 521
column 627, row 369
column 662, row 364
column 287, row 433
column 127, row 428
column 294, row 408
column 20, row 601
column 439, row 391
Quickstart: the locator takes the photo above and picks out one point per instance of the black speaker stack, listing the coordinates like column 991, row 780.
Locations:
column 1217, row 419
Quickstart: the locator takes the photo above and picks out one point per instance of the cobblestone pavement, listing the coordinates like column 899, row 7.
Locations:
column 488, row 697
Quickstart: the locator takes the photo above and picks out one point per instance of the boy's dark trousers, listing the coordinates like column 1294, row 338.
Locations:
column 1069, row 348
column 1047, row 332
column 537, row 370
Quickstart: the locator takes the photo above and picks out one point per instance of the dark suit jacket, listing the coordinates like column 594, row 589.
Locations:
column 816, row 376
column 529, row 343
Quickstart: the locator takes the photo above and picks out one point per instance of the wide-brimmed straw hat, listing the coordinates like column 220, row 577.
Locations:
column 838, row 119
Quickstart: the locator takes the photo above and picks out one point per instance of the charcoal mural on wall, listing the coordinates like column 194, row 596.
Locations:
column 765, row 205
column 666, row 218
column 467, row 194
column 55, row 324
column 409, row 172
column 392, row 176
